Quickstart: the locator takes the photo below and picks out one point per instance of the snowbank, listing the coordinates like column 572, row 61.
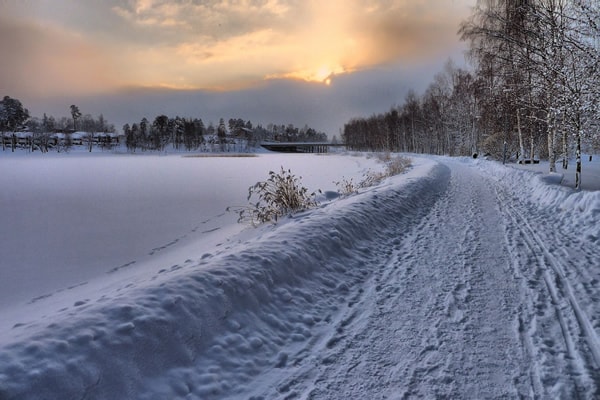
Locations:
column 207, row 327
column 581, row 207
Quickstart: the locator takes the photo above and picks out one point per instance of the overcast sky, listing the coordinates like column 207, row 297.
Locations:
column 317, row 62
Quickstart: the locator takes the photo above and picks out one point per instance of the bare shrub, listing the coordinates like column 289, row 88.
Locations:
column 393, row 166
column 346, row 187
column 397, row 165
column 384, row 157
column 371, row 178
column 281, row 194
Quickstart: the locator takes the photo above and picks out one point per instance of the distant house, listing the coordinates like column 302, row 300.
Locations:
column 69, row 137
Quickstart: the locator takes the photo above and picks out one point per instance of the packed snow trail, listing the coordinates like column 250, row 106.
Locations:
column 439, row 317
column 469, row 303
column 445, row 282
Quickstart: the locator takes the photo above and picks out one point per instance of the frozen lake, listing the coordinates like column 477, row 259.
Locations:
column 71, row 218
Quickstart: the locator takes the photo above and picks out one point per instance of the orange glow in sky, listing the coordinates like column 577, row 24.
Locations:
column 214, row 44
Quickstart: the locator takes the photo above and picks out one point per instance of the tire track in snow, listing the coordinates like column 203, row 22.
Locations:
column 582, row 344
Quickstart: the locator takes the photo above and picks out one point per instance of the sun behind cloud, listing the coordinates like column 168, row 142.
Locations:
column 228, row 45
column 233, row 44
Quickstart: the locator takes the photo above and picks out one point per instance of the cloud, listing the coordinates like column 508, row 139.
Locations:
column 64, row 47
column 45, row 60
column 217, row 19
column 230, row 44
column 152, row 13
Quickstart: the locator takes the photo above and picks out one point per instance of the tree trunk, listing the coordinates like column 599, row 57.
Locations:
column 412, row 134
column 578, row 152
column 521, row 145
column 578, row 163
column 565, row 147
column 531, row 151
column 551, row 137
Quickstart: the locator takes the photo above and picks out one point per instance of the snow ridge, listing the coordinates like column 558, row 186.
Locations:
column 580, row 207
column 211, row 327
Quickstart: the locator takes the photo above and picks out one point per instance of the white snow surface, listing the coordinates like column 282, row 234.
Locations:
column 458, row 279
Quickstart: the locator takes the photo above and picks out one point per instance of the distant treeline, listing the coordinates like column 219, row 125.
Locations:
column 192, row 134
column 19, row 130
column 532, row 92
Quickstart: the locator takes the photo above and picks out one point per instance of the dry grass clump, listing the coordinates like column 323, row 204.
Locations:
column 397, row 165
column 280, row 195
column 283, row 194
column 393, row 166
column 384, row 157
column 346, row 187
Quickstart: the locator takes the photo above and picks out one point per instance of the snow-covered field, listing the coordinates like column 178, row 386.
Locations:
column 123, row 277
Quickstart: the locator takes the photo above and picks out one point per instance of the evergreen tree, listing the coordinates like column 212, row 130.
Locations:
column 75, row 114
column 12, row 117
column 222, row 134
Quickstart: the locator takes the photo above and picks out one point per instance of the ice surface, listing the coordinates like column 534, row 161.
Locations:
column 69, row 219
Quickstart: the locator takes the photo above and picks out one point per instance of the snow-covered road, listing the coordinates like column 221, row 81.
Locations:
column 439, row 317
column 469, row 303
column 446, row 282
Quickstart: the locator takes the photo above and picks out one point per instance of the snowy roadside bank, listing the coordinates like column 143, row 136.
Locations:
column 209, row 327
column 579, row 208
